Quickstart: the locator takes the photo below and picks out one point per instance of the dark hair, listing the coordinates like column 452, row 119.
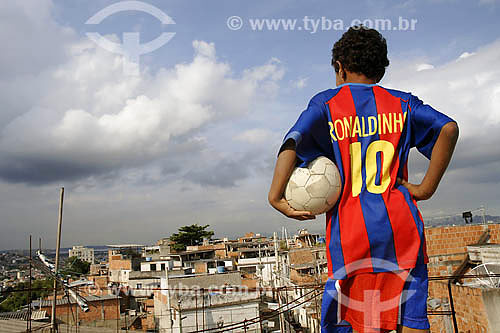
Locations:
column 361, row 50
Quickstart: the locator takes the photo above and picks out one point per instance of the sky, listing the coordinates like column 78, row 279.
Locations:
column 188, row 131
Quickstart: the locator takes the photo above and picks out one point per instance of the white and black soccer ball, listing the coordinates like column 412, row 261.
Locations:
column 316, row 188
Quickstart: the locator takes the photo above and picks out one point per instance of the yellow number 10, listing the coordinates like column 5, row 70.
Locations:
column 387, row 150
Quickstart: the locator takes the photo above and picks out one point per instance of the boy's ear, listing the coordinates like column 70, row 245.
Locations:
column 338, row 66
column 341, row 71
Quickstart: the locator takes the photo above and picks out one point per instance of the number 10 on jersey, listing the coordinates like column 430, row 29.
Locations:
column 386, row 149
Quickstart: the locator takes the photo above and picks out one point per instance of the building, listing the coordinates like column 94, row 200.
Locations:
column 103, row 310
column 207, row 301
column 455, row 251
column 122, row 259
column 303, row 267
column 82, row 253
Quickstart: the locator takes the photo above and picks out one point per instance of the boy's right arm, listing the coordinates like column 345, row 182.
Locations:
column 284, row 167
column 440, row 158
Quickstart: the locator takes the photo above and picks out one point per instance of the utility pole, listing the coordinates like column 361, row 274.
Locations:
column 169, row 308
column 483, row 210
column 58, row 248
column 261, row 276
column 180, row 315
column 28, row 322
column 77, row 319
column 318, row 282
column 278, row 284
column 286, row 237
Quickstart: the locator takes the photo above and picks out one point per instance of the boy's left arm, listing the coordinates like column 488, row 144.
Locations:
column 440, row 158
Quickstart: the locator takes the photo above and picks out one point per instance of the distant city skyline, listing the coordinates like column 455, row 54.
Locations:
column 193, row 135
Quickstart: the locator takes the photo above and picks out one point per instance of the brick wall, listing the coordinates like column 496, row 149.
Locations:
column 469, row 307
column 447, row 245
column 447, row 248
column 200, row 267
column 120, row 264
column 65, row 313
column 301, row 256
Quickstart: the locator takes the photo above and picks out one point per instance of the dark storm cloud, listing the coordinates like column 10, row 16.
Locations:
column 224, row 173
column 43, row 171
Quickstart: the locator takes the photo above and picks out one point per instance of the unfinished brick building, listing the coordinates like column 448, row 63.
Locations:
column 449, row 251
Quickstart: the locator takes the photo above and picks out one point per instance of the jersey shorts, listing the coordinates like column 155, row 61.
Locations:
column 411, row 306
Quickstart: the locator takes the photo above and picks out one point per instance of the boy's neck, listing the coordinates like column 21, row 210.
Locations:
column 358, row 78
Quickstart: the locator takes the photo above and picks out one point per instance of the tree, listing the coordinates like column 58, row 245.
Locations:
column 16, row 299
column 75, row 266
column 190, row 235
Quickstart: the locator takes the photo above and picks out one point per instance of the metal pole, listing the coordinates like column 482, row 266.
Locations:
column 180, row 315
column 287, row 313
column 169, row 308
column 260, row 319
column 77, row 320
column 453, row 316
column 117, row 311
column 28, row 321
column 203, row 306
column 58, row 248
column 196, row 308
column 278, row 284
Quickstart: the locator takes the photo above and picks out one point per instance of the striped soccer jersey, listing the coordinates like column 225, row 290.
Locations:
column 368, row 131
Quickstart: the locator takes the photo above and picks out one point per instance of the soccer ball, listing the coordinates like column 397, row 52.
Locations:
column 316, row 188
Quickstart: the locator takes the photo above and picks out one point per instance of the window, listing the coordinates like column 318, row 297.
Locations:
column 152, row 267
column 162, row 267
column 139, row 286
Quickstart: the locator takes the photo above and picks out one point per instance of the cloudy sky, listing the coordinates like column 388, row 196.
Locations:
column 191, row 136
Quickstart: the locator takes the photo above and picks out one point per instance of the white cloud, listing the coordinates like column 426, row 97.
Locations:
column 301, row 83
column 256, row 136
column 423, row 67
column 32, row 39
column 465, row 55
column 92, row 115
column 467, row 90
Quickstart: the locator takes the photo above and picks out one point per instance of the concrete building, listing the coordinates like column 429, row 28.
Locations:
column 82, row 253
column 122, row 259
column 205, row 301
column 156, row 265
column 305, row 239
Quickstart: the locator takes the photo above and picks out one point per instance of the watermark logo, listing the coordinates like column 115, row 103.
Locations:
column 131, row 48
column 372, row 306
column 234, row 22
column 314, row 25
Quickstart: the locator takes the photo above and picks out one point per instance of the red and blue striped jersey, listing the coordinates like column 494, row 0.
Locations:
column 368, row 131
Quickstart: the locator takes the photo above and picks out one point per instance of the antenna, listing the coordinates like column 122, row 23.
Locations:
column 487, row 276
column 467, row 217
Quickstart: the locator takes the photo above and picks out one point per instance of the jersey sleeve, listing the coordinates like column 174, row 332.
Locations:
column 310, row 134
column 426, row 123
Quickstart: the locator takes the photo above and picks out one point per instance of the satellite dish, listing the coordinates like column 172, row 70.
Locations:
column 488, row 276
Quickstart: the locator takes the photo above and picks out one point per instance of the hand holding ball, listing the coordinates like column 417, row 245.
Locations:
column 316, row 188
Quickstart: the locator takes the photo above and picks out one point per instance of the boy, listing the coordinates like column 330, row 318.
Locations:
column 375, row 233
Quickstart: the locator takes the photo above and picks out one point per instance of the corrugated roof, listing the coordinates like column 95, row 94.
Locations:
column 14, row 325
column 206, row 280
column 64, row 301
column 23, row 315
